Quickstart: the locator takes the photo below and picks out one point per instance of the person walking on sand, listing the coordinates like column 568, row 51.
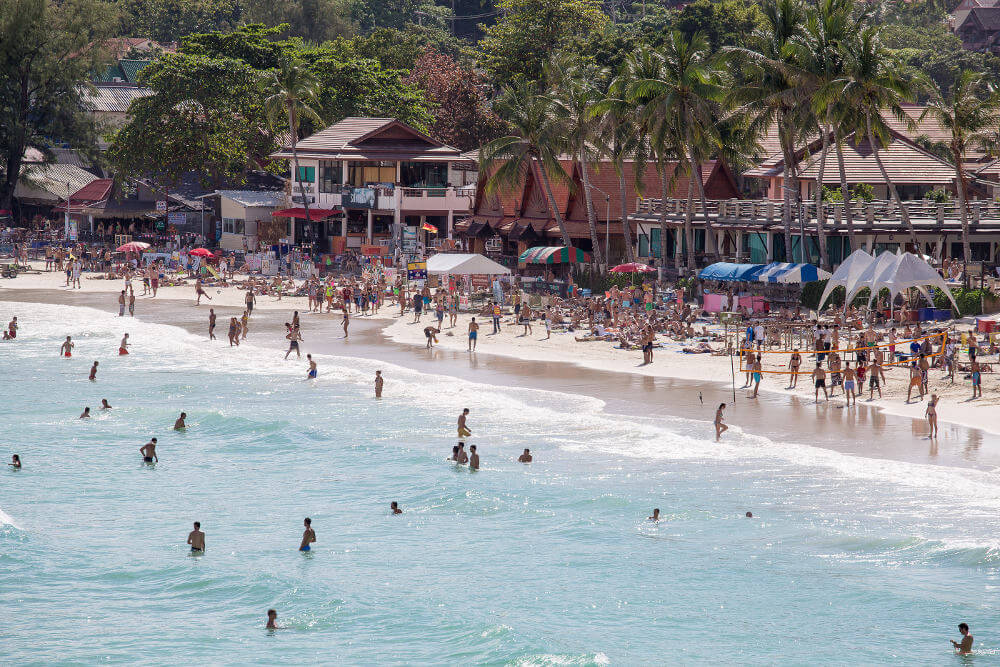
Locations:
column 875, row 376
column 850, row 380
column 379, row 381
column 463, row 428
column 495, row 309
column 196, row 538
column 473, row 334
column 308, row 535
column 758, row 375
column 66, row 349
column 200, row 292
column 720, row 425
column 915, row 381
column 931, row 414
column 819, row 381
column 211, row 323
column 93, row 373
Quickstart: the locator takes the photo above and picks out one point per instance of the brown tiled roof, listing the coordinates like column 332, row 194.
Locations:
column 904, row 162
column 373, row 139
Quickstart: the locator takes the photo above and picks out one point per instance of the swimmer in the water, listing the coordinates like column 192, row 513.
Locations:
column 196, row 538
column 66, row 349
column 272, row 618
column 525, row 457
column 965, row 646
column 460, row 455
column 311, row 375
column 749, row 515
column 394, row 506
column 105, row 405
column 148, row 452
column 180, row 425
column 93, row 372
column 720, row 426
column 308, row 535
column 656, row 515
column 473, row 458
column 454, row 453
column 86, row 414
column 15, row 462
column 123, row 346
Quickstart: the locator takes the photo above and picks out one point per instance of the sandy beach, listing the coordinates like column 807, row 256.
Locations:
column 676, row 384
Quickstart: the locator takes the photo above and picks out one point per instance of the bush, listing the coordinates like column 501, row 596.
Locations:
column 938, row 196
column 970, row 301
column 811, row 292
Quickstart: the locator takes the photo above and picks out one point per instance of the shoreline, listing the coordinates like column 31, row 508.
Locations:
column 782, row 416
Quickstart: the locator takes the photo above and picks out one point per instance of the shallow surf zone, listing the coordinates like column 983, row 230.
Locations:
column 552, row 563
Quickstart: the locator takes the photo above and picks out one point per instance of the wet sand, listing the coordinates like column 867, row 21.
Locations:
column 863, row 430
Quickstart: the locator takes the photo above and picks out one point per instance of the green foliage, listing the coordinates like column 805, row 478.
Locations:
column 599, row 282
column 256, row 45
column 970, row 301
column 723, row 22
column 314, row 21
column 46, row 50
column 811, row 293
column 169, row 20
column 933, row 50
column 530, row 31
column 938, row 196
column 861, row 192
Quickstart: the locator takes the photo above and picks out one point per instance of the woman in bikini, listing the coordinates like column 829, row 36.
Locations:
column 931, row 415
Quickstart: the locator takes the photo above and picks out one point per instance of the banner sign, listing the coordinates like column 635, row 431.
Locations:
column 416, row 271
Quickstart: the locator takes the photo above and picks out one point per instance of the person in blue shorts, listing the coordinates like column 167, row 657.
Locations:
column 308, row 535
column 312, row 368
column 473, row 334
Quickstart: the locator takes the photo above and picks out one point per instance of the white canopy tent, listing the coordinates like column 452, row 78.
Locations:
column 847, row 273
column 460, row 264
column 867, row 277
column 909, row 271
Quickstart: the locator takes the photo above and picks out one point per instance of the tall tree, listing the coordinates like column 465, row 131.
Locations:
column 533, row 146
column 46, row 49
column 875, row 83
column 291, row 91
column 969, row 111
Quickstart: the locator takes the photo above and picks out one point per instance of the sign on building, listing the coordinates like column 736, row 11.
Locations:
column 416, row 271
column 161, row 205
column 176, row 218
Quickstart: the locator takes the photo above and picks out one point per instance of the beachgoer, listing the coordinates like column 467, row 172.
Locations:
column 196, row 538
column 495, row 309
column 308, row 535
column 121, row 304
column 720, row 425
column 819, row 381
column 463, row 430
column 965, row 646
column 86, row 413
column 379, row 381
column 875, row 374
column 15, row 462
column 460, row 456
column 431, row 334
column 473, row 458
column 525, row 457
column 394, row 507
column 123, row 346
column 977, row 380
column 931, row 414
column 148, row 452
column 849, row 384
column 915, row 381
column 347, row 319
column 311, row 375
column 105, row 405
column 293, row 343
column 749, row 515
column 757, row 376
column 179, row 424
column 250, row 301
column 93, row 372
column 245, row 324
column 656, row 515
column 272, row 620
column 131, row 304
column 66, row 349
column 200, row 291
column 793, row 364
column 211, row 323
column 473, row 334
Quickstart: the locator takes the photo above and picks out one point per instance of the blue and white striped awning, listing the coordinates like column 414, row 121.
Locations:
column 785, row 272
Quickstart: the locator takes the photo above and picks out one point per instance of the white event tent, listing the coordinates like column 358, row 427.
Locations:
column 909, row 271
column 847, row 273
column 460, row 264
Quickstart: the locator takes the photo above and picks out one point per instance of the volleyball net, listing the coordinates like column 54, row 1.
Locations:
column 779, row 362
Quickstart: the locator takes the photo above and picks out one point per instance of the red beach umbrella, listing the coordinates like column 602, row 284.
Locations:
column 201, row 252
column 133, row 246
column 633, row 267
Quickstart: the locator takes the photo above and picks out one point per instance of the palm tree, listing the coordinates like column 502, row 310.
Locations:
column 534, row 144
column 685, row 99
column 876, row 82
column 290, row 90
column 969, row 112
column 574, row 94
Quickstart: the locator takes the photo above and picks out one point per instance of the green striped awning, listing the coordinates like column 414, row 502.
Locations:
column 553, row 255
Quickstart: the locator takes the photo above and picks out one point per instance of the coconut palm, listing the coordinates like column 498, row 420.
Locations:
column 969, row 112
column 290, row 90
column 875, row 82
column 534, row 144
column 684, row 100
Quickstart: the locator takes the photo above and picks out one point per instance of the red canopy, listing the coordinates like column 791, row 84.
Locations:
column 633, row 267
column 300, row 213
column 201, row 252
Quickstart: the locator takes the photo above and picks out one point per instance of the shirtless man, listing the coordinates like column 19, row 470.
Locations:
column 121, row 304
column 473, row 458
column 272, row 620
column 131, row 304
column 105, row 405
column 525, row 457
column 460, row 456
column 179, row 425
column 293, row 343
column 394, row 507
column 308, row 535
column 123, row 346
column 720, row 425
column 311, row 375
column 875, row 376
column 794, row 363
column 196, row 538
column 656, row 515
column 819, row 381
column 473, row 334
column 463, row 430
column 965, row 646
column 850, row 380
column 379, row 381
column 66, row 350
column 914, row 382
column 148, row 452
column 86, row 413
column 93, row 373
column 211, row 323
column 250, row 300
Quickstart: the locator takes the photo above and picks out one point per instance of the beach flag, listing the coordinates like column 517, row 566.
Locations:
column 428, row 227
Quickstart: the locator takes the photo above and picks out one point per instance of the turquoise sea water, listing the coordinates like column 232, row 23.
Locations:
column 848, row 560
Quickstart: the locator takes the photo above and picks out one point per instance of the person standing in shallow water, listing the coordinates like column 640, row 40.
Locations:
column 379, row 381
column 196, row 538
column 720, row 425
column 308, row 535
column 211, row 323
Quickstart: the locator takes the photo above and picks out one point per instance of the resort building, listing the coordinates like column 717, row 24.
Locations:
column 238, row 213
column 375, row 182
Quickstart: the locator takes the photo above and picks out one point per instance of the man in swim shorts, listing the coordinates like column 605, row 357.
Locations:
column 473, row 334
column 179, row 425
column 463, row 429
column 123, row 346
column 308, row 535
column 473, row 458
column 148, row 452
column 66, row 349
column 311, row 375
column 293, row 342
column 93, row 372
column 525, row 457
column 196, row 539
column 819, row 380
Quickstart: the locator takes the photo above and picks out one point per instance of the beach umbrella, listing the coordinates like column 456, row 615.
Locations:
column 133, row 246
column 632, row 267
column 201, row 252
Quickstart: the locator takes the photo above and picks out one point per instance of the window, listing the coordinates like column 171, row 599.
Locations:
column 330, row 172
column 232, row 225
column 361, row 173
column 306, row 175
column 423, row 174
